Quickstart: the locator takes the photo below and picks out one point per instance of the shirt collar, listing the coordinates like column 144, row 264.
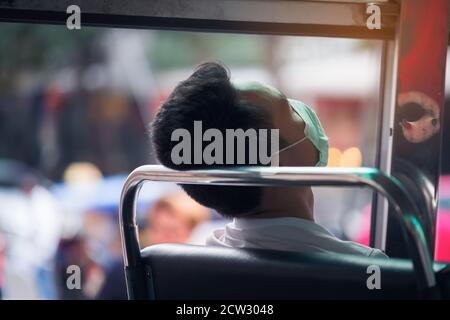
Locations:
column 251, row 223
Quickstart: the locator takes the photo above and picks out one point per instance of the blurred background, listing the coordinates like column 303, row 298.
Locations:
column 74, row 113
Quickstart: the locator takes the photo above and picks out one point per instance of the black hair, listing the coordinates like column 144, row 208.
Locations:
column 208, row 96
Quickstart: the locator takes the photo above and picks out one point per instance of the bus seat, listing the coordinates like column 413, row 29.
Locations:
column 175, row 271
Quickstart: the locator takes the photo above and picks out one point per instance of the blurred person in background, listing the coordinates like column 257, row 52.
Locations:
column 75, row 252
column 93, row 250
column 171, row 219
column 91, row 237
column 31, row 225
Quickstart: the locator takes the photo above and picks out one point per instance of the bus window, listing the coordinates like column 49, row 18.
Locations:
column 75, row 109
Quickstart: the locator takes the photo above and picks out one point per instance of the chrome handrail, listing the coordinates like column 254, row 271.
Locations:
column 389, row 187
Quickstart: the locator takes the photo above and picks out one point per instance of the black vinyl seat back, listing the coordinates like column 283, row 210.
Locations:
column 199, row 272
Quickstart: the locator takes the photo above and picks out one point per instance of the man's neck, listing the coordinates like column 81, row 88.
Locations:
column 278, row 202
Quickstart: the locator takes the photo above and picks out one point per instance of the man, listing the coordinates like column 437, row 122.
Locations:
column 277, row 218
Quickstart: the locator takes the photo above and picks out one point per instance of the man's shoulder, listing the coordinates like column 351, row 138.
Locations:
column 365, row 250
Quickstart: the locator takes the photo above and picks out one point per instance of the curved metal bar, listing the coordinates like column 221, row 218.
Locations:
column 404, row 206
column 420, row 186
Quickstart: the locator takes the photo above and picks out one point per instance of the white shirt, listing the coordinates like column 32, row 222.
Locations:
column 288, row 234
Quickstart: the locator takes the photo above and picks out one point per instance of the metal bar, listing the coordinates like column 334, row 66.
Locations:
column 422, row 37
column 389, row 187
column 379, row 218
column 313, row 18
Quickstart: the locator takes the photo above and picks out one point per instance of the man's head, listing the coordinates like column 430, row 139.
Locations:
column 209, row 96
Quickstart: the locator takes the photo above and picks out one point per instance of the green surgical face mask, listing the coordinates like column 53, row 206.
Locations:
column 313, row 128
column 313, row 131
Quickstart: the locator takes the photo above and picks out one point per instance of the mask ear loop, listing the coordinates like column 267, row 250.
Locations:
column 288, row 147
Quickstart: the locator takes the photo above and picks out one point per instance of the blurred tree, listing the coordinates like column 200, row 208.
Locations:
column 39, row 48
column 184, row 49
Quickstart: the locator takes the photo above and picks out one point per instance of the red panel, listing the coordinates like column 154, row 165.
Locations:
column 423, row 41
column 423, row 47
